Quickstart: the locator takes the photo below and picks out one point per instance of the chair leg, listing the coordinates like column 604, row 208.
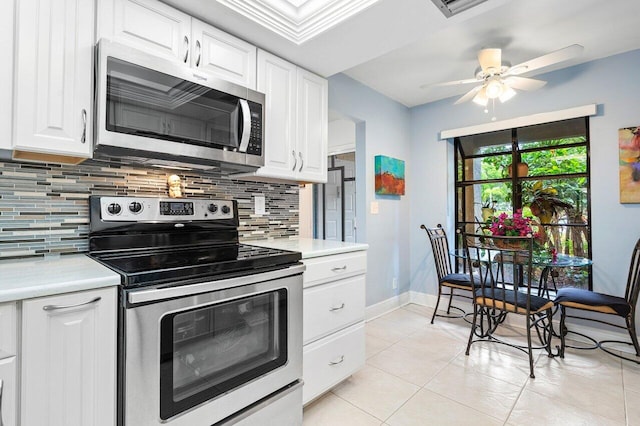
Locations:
column 473, row 328
column 631, row 328
column 548, row 331
column 450, row 300
column 530, row 351
column 435, row 310
column 562, row 331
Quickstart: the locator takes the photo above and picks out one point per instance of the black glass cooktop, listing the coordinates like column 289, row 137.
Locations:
column 149, row 267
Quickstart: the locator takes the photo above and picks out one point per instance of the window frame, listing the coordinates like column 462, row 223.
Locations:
column 460, row 183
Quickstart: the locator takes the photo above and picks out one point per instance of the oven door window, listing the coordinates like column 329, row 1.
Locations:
column 148, row 103
column 208, row 351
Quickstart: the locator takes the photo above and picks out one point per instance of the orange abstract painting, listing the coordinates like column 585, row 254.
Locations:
column 389, row 175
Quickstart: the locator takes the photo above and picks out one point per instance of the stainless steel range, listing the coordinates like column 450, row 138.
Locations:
column 210, row 330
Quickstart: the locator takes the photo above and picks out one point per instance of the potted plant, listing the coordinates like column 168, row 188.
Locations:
column 545, row 203
column 488, row 209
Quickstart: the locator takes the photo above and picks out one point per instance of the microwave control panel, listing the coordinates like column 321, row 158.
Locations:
column 255, row 139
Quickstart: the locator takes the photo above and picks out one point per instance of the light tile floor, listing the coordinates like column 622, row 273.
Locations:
column 417, row 374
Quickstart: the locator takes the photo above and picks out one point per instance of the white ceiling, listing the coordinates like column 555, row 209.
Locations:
column 395, row 46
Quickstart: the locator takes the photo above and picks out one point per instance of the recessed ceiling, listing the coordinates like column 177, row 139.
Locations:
column 396, row 46
column 298, row 20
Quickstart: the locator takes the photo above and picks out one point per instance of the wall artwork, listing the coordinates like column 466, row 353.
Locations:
column 629, row 151
column 389, row 175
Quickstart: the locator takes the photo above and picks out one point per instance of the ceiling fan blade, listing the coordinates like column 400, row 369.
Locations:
column 546, row 60
column 468, row 96
column 490, row 60
column 524, row 83
column 451, row 83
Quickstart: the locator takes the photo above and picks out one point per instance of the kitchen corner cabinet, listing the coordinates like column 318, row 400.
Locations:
column 166, row 32
column 53, row 80
column 333, row 323
column 296, row 122
column 69, row 359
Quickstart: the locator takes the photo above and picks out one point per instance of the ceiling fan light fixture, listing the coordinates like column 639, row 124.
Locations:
column 481, row 98
column 507, row 94
column 494, row 88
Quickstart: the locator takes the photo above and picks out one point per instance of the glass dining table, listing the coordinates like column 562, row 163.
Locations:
column 548, row 264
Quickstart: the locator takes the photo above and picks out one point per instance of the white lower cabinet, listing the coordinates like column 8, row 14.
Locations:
column 68, row 358
column 333, row 322
column 8, row 372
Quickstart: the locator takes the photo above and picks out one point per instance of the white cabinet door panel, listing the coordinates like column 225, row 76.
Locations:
column 68, row 359
column 312, row 127
column 8, row 376
column 54, row 69
column 6, row 74
column 148, row 25
column 223, row 55
column 277, row 80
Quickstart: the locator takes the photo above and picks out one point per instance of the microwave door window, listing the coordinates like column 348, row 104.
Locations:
column 148, row 103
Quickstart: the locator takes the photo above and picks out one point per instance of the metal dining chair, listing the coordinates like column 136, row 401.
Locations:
column 599, row 303
column 446, row 277
column 501, row 273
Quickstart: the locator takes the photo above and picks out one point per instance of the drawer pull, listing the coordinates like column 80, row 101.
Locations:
column 54, row 307
column 337, row 308
column 337, row 362
column 336, row 269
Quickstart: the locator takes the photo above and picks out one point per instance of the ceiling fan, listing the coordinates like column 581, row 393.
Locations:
column 496, row 79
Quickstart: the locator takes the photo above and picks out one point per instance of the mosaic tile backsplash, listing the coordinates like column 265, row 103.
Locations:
column 44, row 207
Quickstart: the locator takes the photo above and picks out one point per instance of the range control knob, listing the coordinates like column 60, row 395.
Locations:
column 226, row 209
column 213, row 208
column 135, row 207
column 114, row 208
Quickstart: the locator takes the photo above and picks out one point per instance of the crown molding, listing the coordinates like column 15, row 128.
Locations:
column 298, row 20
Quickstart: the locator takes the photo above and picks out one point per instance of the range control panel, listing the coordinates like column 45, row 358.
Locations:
column 145, row 209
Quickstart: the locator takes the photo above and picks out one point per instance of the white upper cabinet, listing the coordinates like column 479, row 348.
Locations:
column 277, row 80
column 54, row 72
column 223, row 55
column 166, row 32
column 148, row 25
column 6, row 74
column 313, row 124
column 296, row 122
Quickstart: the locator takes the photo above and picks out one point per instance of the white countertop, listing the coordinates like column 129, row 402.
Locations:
column 310, row 247
column 27, row 278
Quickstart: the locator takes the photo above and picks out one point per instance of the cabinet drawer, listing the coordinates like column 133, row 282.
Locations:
column 329, row 361
column 7, row 329
column 330, row 268
column 330, row 307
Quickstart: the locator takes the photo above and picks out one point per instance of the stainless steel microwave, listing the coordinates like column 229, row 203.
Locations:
column 157, row 112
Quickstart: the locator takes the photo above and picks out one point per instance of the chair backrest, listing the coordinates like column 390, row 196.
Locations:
column 633, row 281
column 440, row 247
column 497, row 263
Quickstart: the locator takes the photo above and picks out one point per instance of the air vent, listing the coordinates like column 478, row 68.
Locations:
column 453, row 7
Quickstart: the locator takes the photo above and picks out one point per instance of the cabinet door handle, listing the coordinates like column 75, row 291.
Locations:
column 301, row 161
column 199, row 49
column 336, row 269
column 295, row 161
column 186, row 49
column 83, row 139
column 337, row 308
column 340, row 360
column 55, row 307
column 1, row 389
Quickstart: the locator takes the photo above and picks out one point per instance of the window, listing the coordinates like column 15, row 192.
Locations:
column 550, row 182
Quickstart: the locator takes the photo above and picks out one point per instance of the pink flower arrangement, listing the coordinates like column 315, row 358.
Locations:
column 516, row 226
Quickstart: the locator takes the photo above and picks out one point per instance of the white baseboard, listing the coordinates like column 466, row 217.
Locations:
column 429, row 300
column 386, row 306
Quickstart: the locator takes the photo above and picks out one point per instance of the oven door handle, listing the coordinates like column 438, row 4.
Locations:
column 135, row 297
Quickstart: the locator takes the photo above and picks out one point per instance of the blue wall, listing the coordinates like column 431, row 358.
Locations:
column 382, row 129
column 611, row 83
column 398, row 248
